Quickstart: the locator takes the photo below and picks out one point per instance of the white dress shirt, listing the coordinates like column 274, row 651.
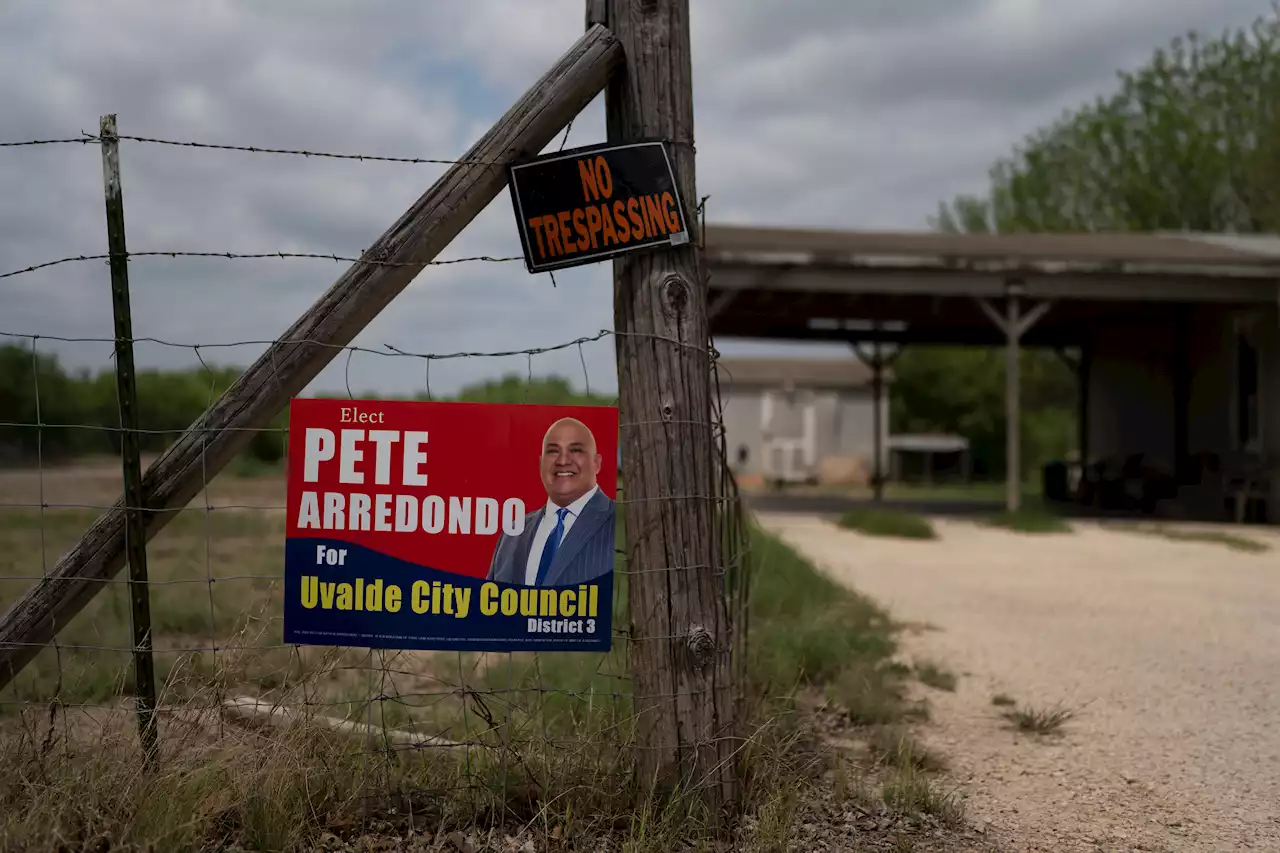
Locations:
column 545, row 527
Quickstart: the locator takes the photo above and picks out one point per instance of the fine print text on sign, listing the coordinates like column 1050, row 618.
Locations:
column 471, row 526
column 588, row 204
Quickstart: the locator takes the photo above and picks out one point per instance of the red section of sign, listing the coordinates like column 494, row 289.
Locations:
column 473, row 451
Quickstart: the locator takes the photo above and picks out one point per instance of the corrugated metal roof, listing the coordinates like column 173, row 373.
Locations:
column 1188, row 252
column 799, row 372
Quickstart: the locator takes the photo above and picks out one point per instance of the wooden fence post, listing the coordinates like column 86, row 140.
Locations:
column 681, row 642
column 135, row 524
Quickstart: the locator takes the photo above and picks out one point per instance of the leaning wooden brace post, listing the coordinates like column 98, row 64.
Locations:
column 289, row 365
column 680, row 643
column 135, row 524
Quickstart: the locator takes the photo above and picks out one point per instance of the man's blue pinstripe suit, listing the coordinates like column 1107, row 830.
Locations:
column 585, row 554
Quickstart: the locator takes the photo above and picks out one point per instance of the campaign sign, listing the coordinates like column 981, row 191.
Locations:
column 588, row 204
column 450, row 525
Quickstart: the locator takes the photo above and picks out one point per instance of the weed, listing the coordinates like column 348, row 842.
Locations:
column 935, row 676
column 914, row 792
column 894, row 746
column 1233, row 541
column 1040, row 721
column 877, row 521
column 1030, row 519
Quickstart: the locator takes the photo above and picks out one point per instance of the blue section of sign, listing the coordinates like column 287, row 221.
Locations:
column 368, row 599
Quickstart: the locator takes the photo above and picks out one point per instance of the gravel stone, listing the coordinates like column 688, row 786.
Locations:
column 1167, row 651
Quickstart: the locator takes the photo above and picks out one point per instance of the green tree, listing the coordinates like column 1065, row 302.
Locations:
column 513, row 388
column 1189, row 141
column 48, row 413
column 960, row 390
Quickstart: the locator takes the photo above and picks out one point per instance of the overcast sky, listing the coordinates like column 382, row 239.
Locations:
column 830, row 113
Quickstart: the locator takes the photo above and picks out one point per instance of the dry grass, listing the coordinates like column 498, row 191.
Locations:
column 551, row 764
column 1234, row 541
column 934, row 675
column 1039, row 721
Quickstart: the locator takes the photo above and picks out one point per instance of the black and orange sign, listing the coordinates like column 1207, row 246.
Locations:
column 585, row 205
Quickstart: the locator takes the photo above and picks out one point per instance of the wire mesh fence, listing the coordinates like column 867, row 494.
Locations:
column 467, row 737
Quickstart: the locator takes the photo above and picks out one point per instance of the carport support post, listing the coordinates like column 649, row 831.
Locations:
column 877, row 362
column 1012, row 400
column 877, row 391
column 1014, row 325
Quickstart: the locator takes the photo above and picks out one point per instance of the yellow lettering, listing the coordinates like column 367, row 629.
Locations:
column 488, row 601
column 567, row 605
column 310, row 591
column 421, row 597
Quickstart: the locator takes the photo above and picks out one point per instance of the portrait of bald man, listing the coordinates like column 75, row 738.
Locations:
column 570, row 539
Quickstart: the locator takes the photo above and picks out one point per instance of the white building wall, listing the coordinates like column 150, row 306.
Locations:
column 842, row 423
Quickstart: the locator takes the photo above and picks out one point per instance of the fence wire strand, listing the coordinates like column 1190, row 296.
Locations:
column 516, row 721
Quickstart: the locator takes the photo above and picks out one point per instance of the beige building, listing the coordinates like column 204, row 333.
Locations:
column 801, row 420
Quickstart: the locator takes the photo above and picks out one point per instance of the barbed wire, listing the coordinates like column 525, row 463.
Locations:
column 361, row 259
column 389, row 349
column 91, row 138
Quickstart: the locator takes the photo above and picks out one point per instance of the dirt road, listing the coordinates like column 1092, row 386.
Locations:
column 1169, row 652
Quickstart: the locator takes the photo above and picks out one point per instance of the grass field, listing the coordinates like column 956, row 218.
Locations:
column 555, row 761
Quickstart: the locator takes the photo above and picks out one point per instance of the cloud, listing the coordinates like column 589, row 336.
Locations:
column 815, row 112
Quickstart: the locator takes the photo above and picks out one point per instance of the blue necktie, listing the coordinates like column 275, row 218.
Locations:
column 553, row 544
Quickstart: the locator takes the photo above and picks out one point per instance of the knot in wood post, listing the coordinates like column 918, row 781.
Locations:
column 675, row 296
column 701, row 646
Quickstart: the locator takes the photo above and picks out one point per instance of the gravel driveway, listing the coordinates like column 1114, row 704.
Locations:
column 1169, row 651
